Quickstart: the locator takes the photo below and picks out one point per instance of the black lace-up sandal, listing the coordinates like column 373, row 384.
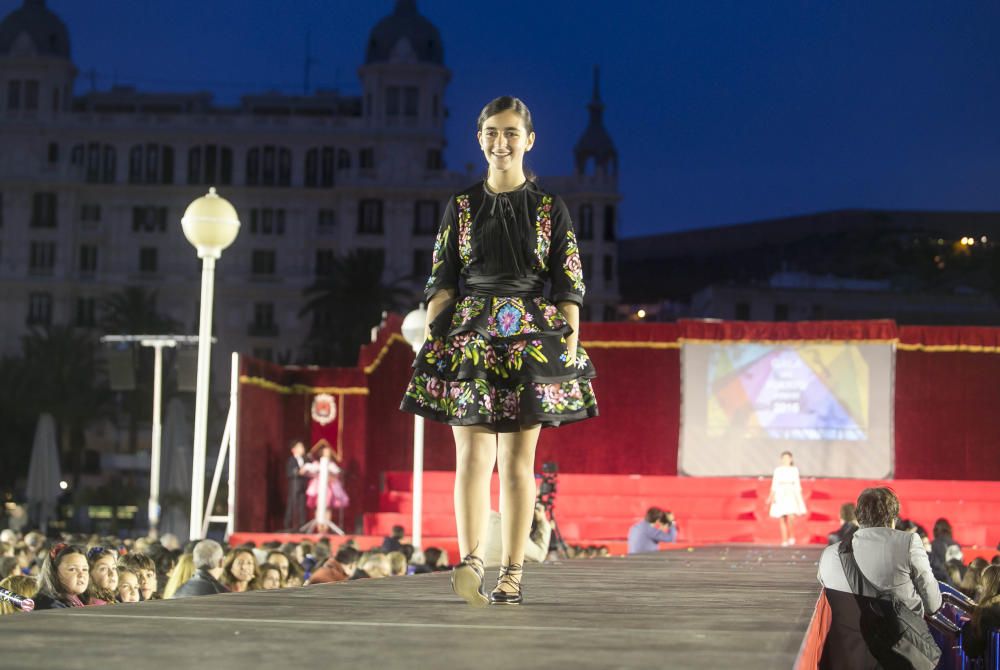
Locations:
column 510, row 575
column 468, row 580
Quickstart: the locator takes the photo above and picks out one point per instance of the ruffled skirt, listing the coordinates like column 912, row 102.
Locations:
column 500, row 362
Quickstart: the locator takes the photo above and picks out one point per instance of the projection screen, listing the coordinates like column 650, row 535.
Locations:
column 829, row 403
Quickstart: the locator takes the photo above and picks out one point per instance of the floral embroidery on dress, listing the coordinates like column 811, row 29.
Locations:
column 467, row 309
column 562, row 397
column 509, row 317
column 437, row 257
column 543, row 233
column 464, row 228
column 572, row 265
column 553, row 317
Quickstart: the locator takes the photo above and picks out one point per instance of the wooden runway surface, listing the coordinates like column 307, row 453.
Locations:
column 717, row 607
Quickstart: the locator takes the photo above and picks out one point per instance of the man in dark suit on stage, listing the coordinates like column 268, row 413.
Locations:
column 295, row 508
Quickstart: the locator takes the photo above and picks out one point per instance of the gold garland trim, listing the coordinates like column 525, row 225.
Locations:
column 612, row 344
column 687, row 340
column 301, row 389
column 395, row 337
column 949, row 348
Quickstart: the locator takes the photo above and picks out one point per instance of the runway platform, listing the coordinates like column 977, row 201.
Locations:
column 710, row 607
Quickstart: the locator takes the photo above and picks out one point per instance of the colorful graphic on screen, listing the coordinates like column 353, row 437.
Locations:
column 811, row 392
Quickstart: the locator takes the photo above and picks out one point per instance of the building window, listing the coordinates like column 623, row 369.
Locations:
column 609, row 223
column 210, row 164
column 366, row 159
column 325, row 261
column 421, row 263
column 781, row 312
column 343, row 159
column 586, row 227
column 267, row 221
column 55, row 100
column 148, row 260
column 42, row 258
column 31, row 95
column 320, row 163
column 151, row 164
column 435, row 161
column 392, row 101
column 370, row 217
column 149, row 219
column 263, row 320
column 43, row 210
column 742, row 311
column 53, row 153
column 88, row 259
column 326, row 222
column 411, row 101
column 609, row 268
column 86, row 312
column 97, row 161
column 14, row 94
column 269, row 166
column 39, row 309
column 425, row 217
column 90, row 212
column 585, row 260
column 262, row 262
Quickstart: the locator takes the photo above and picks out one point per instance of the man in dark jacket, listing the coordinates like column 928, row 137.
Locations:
column 295, row 507
column 208, row 558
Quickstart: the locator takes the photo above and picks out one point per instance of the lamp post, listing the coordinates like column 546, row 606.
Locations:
column 210, row 224
column 413, row 333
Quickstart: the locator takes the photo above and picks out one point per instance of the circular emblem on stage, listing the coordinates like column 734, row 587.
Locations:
column 324, row 409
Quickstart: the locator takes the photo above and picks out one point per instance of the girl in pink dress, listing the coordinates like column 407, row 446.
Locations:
column 336, row 496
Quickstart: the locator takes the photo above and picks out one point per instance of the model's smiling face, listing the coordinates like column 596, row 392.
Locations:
column 504, row 140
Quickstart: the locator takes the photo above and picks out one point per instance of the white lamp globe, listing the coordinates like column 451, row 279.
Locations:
column 210, row 223
column 413, row 327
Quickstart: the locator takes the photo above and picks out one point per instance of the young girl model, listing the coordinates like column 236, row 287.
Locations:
column 499, row 360
column 786, row 497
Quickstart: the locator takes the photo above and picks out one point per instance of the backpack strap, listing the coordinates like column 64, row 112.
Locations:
column 860, row 585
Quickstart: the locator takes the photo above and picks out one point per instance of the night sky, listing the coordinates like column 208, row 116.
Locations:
column 722, row 112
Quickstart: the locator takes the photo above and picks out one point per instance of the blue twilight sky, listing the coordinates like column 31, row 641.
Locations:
column 722, row 112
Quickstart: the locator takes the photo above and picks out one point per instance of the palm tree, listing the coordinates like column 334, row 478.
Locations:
column 345, row 305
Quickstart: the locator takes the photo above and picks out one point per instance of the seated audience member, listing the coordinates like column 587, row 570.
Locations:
column 986, row 616
column 64, row 578
column 128, row 585
column 103, row 589
column 22, row 585
column 164, row 561
column 145, row 569
column 955, row 571
column 9, row 566
column 394, row 541
column 208, row 560
column 970, row 581
column 848, row 524
column 183, row 571
column 537, row 547
column 279, row 560
column 435, row 559
column 268, row 578
column 939, row 548
column 25, row 559
column 397, row 563
column 893, row 561
column 296, row 575
column 239, row 570
column 372, row 565
column 645, row 536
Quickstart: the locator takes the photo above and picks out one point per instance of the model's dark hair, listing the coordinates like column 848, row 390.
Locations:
column 790, row 455
column 502, row 104
column 654, row 514
column 847, row 512
column 48, row 579
column 877, row 507
column 347, row 555
column 292, row 443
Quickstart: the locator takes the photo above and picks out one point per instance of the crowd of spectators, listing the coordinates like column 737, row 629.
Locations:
column 78, row 571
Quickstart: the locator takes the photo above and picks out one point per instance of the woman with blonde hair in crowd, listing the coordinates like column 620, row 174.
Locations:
column 22, row 585
column 183, row 571
column 64, row 578
column 103, row 588
column 239, row 572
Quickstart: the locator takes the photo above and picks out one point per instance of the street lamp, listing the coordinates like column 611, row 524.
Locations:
column 413, row 332
column 210, row 224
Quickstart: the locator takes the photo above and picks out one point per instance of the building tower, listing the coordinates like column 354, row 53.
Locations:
column 36, row 71
column 595, row 144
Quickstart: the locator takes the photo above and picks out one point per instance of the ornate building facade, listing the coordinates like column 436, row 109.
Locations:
column 93, row 186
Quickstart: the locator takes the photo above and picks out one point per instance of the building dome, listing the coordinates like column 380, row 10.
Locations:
column 405, row 22
column 43, row 28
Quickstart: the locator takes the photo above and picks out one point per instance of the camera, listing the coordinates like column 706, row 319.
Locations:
column 547, row 486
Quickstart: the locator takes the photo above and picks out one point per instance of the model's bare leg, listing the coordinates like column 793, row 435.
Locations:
column 783, row 522
column 475, row 457
column 516, row 463
column 790, row 520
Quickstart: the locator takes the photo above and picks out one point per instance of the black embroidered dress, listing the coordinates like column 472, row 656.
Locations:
column 497, row 355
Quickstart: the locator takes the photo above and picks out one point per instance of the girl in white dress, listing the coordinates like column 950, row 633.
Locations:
column 785, row 499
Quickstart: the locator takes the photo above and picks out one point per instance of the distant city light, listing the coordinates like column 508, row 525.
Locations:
column 983, row 239
column 968, row 241
column 641, row 314
column 63, row 485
